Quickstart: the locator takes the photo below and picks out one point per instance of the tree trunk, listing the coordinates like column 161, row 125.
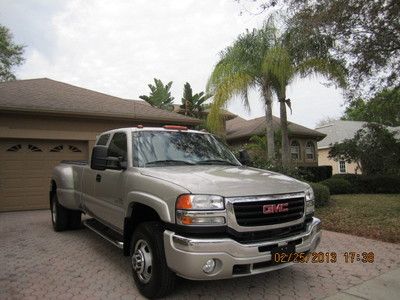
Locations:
column 284, row 129
column 267, row 94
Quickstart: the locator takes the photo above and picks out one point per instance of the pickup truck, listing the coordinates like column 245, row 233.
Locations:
column 179, row 203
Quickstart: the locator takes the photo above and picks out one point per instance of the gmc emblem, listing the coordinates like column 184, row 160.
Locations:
column 275, row 208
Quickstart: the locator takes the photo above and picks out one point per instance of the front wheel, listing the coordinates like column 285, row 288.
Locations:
column 152, row 276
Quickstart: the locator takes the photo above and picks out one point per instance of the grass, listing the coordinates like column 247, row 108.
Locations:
column 375, row 216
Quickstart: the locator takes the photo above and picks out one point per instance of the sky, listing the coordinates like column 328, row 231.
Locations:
column 118, row 47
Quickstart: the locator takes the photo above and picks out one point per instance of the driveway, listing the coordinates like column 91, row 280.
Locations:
column 36, row 263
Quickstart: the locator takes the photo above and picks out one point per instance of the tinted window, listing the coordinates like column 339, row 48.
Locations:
column 152, row 148
column 118, row 146
column 103, row 140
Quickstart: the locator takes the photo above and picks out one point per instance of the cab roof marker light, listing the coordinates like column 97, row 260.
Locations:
column 175, row 127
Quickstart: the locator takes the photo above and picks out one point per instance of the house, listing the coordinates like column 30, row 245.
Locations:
column 336, row 132
column 303, row 140
column 43, row 121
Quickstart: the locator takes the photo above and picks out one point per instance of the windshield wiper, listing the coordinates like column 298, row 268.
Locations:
column 216, row 162
column 169, row 161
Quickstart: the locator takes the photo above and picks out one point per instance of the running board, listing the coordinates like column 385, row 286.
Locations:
column 105, row 232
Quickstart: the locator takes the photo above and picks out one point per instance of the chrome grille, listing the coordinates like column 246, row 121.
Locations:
column 250, row 213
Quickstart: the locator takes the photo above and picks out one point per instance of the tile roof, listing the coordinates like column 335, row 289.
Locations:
column 340, row 130
column 49, row 96
column 240, row 128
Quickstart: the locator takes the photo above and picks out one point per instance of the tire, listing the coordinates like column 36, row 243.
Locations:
column 152, row 276
column 63, row 218
column 59, row 215
column 74, row 219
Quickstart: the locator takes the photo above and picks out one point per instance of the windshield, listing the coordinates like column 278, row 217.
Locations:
column 160, row 148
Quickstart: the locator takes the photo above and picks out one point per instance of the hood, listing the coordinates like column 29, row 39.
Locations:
column 227, row 181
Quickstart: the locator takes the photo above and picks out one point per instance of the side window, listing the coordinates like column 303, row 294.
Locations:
column 118, row 146
column 103, row 140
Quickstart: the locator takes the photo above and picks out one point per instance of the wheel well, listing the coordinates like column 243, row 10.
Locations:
column 140, row 213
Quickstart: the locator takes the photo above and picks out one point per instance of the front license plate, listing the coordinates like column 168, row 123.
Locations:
column 283, row 254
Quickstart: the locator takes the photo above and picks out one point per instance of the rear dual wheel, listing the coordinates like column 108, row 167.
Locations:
column 63, row 218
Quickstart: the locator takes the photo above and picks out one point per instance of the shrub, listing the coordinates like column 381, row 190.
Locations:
column 338, row 186
column 322, row 195
column 316, row 174
column 374, row 184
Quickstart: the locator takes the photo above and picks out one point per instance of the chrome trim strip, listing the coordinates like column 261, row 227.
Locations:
column 118, row 244
column 196, row 244
column 231, row 218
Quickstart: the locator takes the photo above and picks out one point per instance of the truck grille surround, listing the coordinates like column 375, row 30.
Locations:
column 251, row 213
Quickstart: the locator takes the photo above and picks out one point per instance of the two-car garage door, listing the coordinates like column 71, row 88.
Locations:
column 26, row 167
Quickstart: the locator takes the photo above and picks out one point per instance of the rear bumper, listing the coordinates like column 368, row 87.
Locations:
column 187, row 256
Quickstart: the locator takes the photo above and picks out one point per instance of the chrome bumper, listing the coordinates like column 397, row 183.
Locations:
column 187, row 256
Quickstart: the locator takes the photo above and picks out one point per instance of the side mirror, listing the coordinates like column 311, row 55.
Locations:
column 244, row 157
column 99, row 158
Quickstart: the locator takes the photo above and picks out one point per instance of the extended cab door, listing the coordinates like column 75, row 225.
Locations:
column 110, row 185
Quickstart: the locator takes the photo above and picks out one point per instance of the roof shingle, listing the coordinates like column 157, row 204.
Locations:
column 50, row 96
column 239, row 128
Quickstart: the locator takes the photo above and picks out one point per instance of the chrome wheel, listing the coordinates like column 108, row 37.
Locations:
column 53, row 211
column 142, row 261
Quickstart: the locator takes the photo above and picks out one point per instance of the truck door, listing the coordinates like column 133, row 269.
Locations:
column 110, row 185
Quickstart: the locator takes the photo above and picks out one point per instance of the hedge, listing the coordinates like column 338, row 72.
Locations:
column 372, row 184
column 321, row 193
column 338, row 186
column 316, row 174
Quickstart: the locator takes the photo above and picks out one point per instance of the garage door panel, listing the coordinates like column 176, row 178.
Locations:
column 26, row 170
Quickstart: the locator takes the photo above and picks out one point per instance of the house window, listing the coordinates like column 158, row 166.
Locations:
column 57, row 148
column 295, row 150
column 73, row 148
column 310, row 150
column 14, row 148
column 342, row 166
column 33, row 148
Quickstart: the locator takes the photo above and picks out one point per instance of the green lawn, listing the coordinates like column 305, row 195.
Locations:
column 375, row 216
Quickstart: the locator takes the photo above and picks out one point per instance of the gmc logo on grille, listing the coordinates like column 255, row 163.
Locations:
column 275, row 208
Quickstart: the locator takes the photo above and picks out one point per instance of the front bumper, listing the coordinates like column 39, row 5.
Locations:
column 187, row 256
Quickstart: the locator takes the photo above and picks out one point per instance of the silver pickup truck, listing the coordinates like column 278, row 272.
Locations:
column 178, row 202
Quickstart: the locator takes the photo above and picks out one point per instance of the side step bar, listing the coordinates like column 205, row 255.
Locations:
column 105, row 232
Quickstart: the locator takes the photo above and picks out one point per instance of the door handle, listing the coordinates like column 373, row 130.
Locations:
column 98, row 177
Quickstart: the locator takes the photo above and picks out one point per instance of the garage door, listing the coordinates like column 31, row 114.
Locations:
column 26, row 167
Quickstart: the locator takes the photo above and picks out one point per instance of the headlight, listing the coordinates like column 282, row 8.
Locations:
column 310, row 199
column 200, row 202
column 203, row 210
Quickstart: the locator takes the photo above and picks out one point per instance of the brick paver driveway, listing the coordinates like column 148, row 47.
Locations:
column 36, row 263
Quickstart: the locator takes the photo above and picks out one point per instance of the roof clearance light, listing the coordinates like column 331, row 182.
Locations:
column 175, row 127
column 140, row 126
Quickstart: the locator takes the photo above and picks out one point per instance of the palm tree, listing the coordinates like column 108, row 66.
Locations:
column 240, row 68
column 293, row 57
column 160, row 95
column 193, row 105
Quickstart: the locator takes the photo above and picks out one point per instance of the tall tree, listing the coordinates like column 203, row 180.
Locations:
column 294, row 56
column 160, row 95
column 193, row 105
column 374, row 148
column 383, row 108
column 10, row 54
column 365, row 33
column 240, row 68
